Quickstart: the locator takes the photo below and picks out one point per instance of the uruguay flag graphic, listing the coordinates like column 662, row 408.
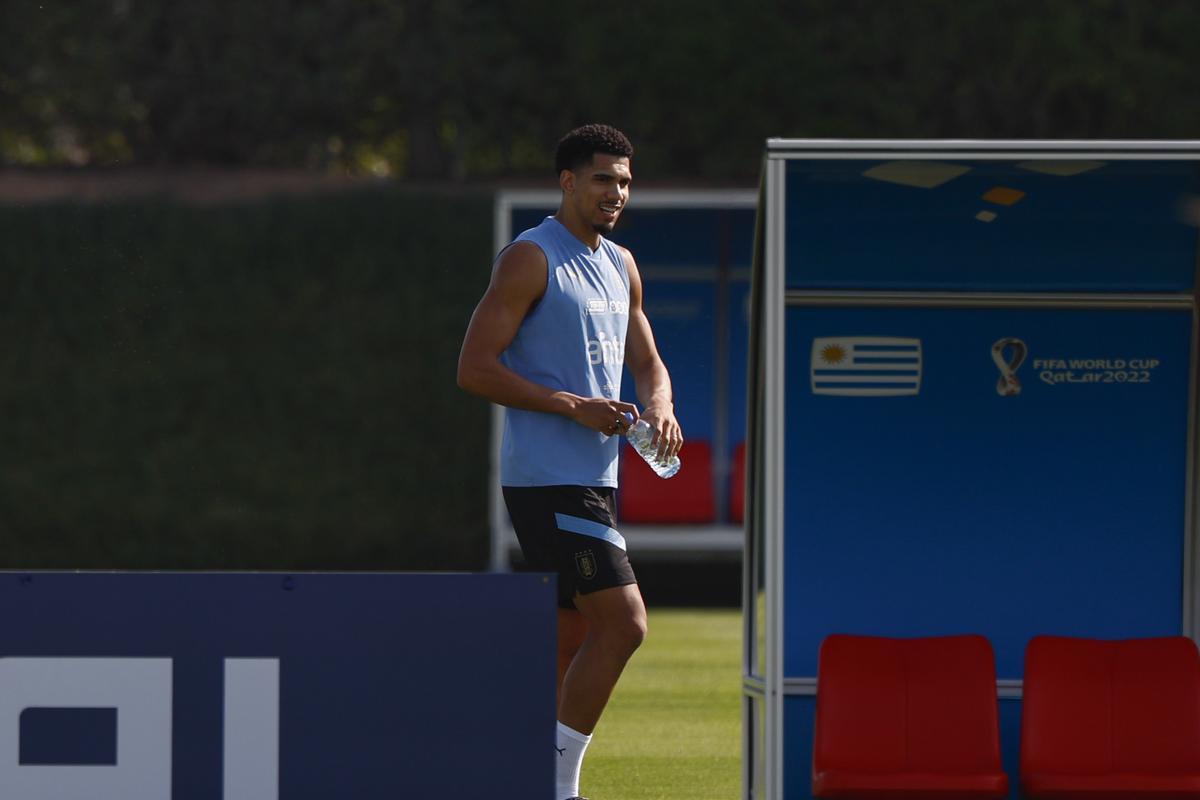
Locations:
column 866, row 366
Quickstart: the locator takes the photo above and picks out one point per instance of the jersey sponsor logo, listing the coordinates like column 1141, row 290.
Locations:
column 598, row 306
column 605, row 349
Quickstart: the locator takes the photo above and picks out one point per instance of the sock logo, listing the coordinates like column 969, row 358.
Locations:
column 561, row 751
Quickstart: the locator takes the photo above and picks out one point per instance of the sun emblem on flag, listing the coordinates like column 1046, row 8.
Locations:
column 833, row 354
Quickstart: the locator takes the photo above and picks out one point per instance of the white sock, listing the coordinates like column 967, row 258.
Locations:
column 571, row 744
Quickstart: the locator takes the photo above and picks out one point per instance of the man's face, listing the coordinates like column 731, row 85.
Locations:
column 601, row 191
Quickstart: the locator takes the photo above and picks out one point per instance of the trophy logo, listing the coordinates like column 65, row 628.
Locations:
column 1009, row 354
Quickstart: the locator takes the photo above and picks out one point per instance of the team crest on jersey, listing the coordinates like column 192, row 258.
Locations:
column 585, row 563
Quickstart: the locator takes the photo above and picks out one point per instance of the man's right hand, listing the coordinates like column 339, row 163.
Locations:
column 604, row 415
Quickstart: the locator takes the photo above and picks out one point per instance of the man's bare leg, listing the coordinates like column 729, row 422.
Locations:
column 616, row 626
column 572, row 628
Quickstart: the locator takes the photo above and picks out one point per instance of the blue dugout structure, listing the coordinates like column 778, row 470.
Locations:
column 972, row 409
column 693, row 249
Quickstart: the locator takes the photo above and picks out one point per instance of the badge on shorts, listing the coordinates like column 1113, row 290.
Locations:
column 585, row 563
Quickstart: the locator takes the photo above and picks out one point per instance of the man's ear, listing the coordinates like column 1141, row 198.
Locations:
column 566, row 181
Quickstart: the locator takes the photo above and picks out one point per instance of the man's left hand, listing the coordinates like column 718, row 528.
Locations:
column 667, row 433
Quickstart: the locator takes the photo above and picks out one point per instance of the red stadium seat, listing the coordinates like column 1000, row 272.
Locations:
column 907, row 718
column 1111, row 719
column 737, row 484
column 685, row 498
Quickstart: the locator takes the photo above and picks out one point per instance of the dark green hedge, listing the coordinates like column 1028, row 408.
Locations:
column 255, row 386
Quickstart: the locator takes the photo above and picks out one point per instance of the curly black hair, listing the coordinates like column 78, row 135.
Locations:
column 580, row 145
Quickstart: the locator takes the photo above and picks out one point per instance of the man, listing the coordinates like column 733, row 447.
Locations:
column 560, row 318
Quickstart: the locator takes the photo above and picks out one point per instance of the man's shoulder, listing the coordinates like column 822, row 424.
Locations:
column 521, row 264
column 523, row 249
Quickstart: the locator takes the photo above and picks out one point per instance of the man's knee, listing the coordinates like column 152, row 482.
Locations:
column 617, row 618
column 637, row 632
column 626, row 634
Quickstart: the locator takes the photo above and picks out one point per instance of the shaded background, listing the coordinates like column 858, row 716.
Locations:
column 239, row 242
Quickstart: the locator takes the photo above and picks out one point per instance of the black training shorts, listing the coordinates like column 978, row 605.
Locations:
column 570, row 531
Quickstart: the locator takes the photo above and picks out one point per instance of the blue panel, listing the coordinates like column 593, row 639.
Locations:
column 1118, row 227
column 666, row 239
column 741, row 237
column 739, row 343
column 1057, row 510
column 522, row 219
column 379, row 673
column 799, row 714
column 1010, row 743
column 681, row 316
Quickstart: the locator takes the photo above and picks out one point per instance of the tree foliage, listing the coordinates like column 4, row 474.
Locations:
column 477, row 89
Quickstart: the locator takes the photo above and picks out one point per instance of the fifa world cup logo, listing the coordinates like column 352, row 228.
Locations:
column 1008, row 354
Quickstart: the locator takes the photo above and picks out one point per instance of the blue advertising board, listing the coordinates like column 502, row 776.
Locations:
column 160, row 686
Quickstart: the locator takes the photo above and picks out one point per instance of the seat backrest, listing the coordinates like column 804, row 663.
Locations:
column 737, row 484
column 1093, row 707
column 915, row 705
column 685, row 498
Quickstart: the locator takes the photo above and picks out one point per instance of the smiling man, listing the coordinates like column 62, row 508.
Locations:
column 560, row 319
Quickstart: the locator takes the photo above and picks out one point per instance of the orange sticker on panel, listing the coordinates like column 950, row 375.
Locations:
column 1003, row 196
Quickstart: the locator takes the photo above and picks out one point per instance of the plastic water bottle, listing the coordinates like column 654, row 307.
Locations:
column 640, row 435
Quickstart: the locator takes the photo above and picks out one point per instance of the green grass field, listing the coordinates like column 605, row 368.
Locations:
column 672, row 730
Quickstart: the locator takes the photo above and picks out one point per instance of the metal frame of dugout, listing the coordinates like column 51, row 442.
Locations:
column 972, row 409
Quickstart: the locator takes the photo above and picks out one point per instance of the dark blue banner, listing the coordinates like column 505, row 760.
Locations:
column 150, row 686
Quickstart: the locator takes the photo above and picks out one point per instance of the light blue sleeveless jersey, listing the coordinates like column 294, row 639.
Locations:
column 573, row 340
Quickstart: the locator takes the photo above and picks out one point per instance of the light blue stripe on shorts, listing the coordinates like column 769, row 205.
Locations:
column 589, row 528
